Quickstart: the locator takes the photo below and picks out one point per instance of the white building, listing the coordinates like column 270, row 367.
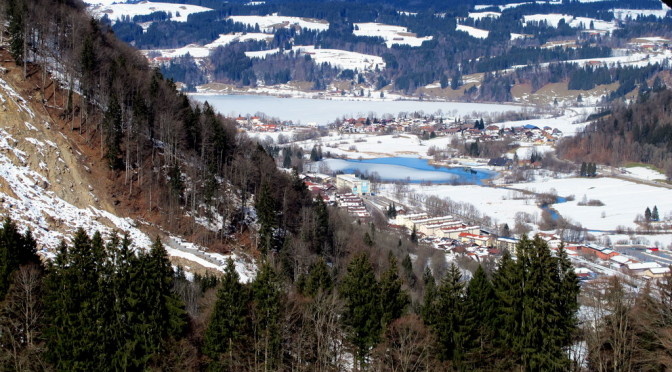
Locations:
column 355, row 185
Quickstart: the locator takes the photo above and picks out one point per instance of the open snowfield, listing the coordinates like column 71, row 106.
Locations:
column 500, row 204
column 627, row 58
column 198, row 51
column 479, row 15
column 374, row 146
column 116, row 11
column 473, row 31
column 335, row 57
column 622, row 14
column 576, row 22
column 571, row 122
column 623, row 200
column 268, row 23
column 391, row 34
column 644, row 173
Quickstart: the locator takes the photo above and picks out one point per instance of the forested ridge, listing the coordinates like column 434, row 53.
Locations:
column 330, row 294
column 450, row 54
column 637, row 132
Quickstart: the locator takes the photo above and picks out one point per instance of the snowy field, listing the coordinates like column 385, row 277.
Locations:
column 375, row 146
column 479, row 15
column 576, row 22
column 571, row 122
column 623, row 200
column 391, row 34
column 269, row 23
column 627, row 59
column 198, row 51
column 179, row 12
column 335, row 57
column 644, row 173
column 500, row 204
column 473, row 31
column 622, row 14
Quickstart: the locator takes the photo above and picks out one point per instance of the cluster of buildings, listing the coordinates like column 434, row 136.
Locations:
column 258, row 124
column 524, row 133
column 454, row 235
column 346, row 193
column 608, row 257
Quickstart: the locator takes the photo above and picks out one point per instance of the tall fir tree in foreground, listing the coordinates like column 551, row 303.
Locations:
column 537, row 296
column 16, row 249
column 226, row 335
column 109, row 308
column 360, row 291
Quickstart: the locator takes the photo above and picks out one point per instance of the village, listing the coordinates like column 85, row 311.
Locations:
column 456, row 236
column 424, row 126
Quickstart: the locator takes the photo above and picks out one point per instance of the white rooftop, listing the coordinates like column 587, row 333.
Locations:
column 643, row 265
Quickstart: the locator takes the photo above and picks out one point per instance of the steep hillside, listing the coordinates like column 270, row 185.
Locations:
column 636, row 132
column 53, row 181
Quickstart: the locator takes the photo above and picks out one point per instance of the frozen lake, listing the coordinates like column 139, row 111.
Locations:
column 409, row 169
column 323, row 111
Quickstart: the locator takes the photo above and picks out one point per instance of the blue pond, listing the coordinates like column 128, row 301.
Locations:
column 410, row 169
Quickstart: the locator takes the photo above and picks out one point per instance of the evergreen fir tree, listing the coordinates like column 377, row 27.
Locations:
column 584, row 169
column 323, row 235
column 443, row 81
column 506, row 231
column 16, row 14
column 72, row 335
column 15, row 250
column 507, row 282
column 478, row 319
column 112, row 123
column 360, row 291
column 414, row 236
column 428, row 310
column 287, row 160
column 266, row 312
column 227, row 329
column 567, row 298
column 265, row 205
column 319, row 279
column 448, row 325
column 647, row 214
column 393, row 299
column 537, row 302
column 408, row 274
column 654, row 214
column 168, row 313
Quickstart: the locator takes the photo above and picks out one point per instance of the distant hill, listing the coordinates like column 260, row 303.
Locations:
column 422, row 44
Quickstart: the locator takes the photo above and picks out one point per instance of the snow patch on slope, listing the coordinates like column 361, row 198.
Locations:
column 116, row 11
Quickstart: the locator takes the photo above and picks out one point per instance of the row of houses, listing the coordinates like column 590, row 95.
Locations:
column 615, row 260
column 353, row 204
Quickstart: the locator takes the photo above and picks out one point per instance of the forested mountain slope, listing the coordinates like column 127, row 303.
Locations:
column 466, row 50
column 636, row 132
